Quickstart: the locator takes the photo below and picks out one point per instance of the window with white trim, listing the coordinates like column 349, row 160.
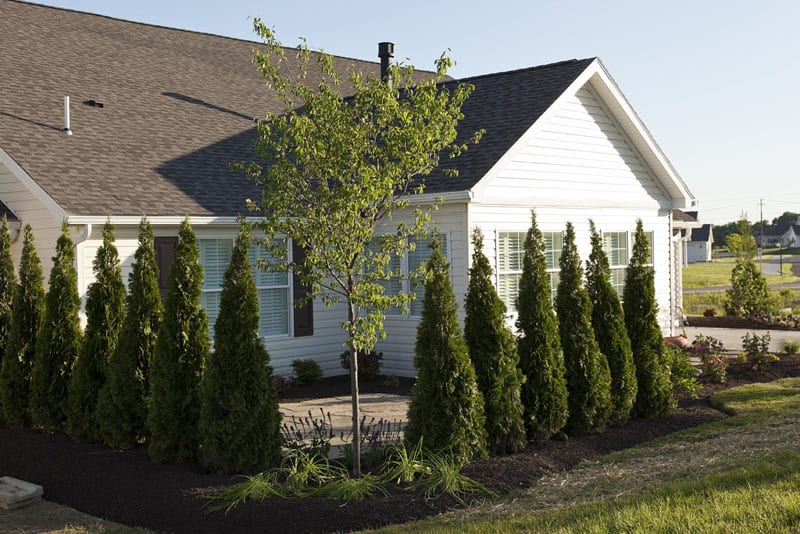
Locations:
column 615, row 245
column 510, row 254
column 409, row 264
column 272, row 287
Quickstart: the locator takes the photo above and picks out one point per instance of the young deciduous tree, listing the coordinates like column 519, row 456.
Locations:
column 239, row 417
column 588, row 377
column 59, row 340
column 105, row 313
column 122, row 406
column 748, row 295
column 653, row 395
column 544, row 392
column 493, row 351
column 446, row 409
column 339, row 169
column 8, row 284
column 28, row 306
column 181, row 350
column 608, row 323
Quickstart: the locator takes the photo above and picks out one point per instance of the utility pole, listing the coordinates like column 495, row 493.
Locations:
column 761, row 227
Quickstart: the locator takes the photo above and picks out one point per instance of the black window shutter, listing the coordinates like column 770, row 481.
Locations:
column 304, row 315
column 165, row 255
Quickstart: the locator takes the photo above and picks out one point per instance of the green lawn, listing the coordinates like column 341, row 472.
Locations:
column 741, row 474
column 718, row 273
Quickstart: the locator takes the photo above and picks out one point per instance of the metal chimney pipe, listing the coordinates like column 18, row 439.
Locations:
column 66, row 129
column 386, row 53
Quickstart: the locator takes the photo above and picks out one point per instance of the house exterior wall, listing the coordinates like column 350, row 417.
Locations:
column 697, row 251
column 324, row 346
column 30, row 210
column 579, row 164
column 401, row 330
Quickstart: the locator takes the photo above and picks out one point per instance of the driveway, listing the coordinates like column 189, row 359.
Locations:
column 732, row 337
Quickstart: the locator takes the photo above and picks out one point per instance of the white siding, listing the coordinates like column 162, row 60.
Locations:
column 324, row 346
column 492, row 219
column 30, row 210
column 401, row 331
column 579, row 156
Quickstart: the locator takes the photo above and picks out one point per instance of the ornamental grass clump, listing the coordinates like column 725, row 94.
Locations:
column 493, row 351
column 713, row 362
column 28, row 306
column 58, row 341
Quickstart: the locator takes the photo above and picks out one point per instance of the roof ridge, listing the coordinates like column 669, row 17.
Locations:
column 184, row 30
column 526, row 69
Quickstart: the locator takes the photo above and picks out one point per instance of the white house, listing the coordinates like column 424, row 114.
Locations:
column 157, row 114
column 699, row 247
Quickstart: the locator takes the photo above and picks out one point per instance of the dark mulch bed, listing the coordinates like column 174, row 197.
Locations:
column 733, row 322
column 126, row 487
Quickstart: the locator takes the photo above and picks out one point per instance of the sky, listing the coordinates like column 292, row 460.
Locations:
column 715, row 81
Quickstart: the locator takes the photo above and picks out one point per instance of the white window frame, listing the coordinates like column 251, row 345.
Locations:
column 406, row 285
column 259, row 287
column 552, row 255
column 618, row 270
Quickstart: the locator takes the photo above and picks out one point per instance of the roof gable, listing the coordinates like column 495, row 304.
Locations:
column 702, row 234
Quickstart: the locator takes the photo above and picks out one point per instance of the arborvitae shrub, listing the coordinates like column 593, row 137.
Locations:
column 544, row 392
column 493, row 351
column 608, row 323
column 181, row 350
column 28, row 307
column 122, row 406
column 239, row 417
column 748, row 295
column 647, row 343
column 59, row 340
column 105, row 313
column 446, row 409
column 588, row 377
column 8, row 285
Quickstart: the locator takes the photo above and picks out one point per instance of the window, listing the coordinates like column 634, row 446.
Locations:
column 406, row 265
column 272, row 287
column 615, row 245
column 510, row 253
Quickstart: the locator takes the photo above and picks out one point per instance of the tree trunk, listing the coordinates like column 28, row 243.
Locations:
column 354, row 394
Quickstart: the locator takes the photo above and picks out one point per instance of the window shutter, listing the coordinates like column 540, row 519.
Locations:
column 165, row 254
column 304, row 315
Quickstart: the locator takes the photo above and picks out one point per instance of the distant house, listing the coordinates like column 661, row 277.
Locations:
column 791, row 237
column 157, row 114
column 699, row 247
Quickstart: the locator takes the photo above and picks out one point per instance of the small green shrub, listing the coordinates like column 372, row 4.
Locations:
column 682, row 374
column 369, row 365
column 391, row 382
column 713, row 362
column 306, row 372
column 710, row 312
column 756, row 350
column 790, row 347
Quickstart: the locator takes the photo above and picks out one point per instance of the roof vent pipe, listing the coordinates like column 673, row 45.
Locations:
column 66, row 129
column 386, row 53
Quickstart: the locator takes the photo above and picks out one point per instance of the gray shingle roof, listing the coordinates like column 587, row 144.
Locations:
column 178, row 107
column 702, row 233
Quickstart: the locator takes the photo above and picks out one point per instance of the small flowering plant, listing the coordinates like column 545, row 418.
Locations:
column 756, row 350
column 711, row 352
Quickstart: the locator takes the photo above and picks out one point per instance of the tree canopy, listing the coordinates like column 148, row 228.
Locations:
column 340, row 169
